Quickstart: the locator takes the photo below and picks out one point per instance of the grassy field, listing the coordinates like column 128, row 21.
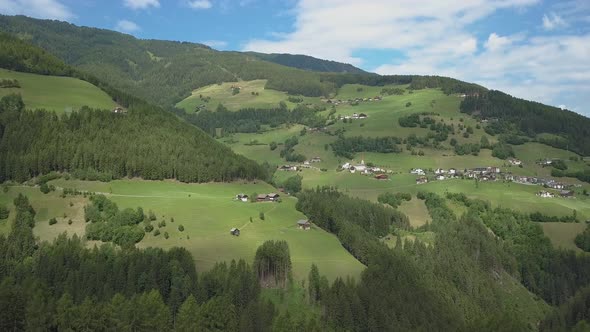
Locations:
column 222, row 93
column 59, row 94
column 207, row 212
column 416, row 211
column 562, row 235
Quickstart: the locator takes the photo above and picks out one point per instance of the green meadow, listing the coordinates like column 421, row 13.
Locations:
column 207, row 212
column 223, row 94
column 55, row 93
column 562, row 235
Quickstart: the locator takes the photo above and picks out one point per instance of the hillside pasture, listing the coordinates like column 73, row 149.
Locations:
column 562, row 235
column 207, row 213
column 55, row 93
column 223, row 94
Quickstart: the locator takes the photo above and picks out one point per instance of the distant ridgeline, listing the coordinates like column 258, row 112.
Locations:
column 512, row 115
column 165, row 72
column 99, row 144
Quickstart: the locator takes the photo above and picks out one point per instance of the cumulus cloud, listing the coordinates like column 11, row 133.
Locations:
column 141, row 4
column 200, row 4
column 127, row 26
column 52, row 9
column 436, row 37
column 553, row 21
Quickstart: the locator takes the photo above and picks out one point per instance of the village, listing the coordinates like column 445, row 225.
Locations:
column 353, row 102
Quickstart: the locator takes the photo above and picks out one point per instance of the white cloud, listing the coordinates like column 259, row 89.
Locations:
column 141, row 4
column 553, row 21
column 52, row 9
column 215, row 43
column 200, row 4
column 127, row 26
column 496, row 42
column 437, row 38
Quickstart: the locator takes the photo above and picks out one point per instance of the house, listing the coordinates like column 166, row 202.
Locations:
column 440, row 177
column 556, row 185
column 261, row 197
column 119, row 110
column 546, row 162
column 494, row 170
column 362, row 116
column 288, row 168
column 514, row 161
column 355, row 116
column 304, row 224
column 417, row 171
column 346, row 166
column 439, row 171
column 381, row 177
column 545, row 194
column 234, row 232
column 316, row 159
column 422, row 180
column 566, row 193
column 452, row 171
column 273, row 197
column 242, row 197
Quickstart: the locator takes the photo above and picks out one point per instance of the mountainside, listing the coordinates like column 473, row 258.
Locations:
column 101, row 144
column 307, row 62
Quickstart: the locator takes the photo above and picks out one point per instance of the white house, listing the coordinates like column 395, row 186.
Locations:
column 545, row 194
column 440, row 177
column 418, row 171
column 515, row 162
column 452, row 171
column 346, row 166
column 439, row 171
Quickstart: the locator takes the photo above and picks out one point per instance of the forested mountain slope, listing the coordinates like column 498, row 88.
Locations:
column 309, row 63
column 146, row 141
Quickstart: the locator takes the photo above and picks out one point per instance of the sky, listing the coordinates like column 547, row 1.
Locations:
column 532, row 49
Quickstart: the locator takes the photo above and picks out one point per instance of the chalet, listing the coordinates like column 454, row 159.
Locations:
column 545, row 194
column 381, row 177
column 355, row 116
column 566, row 193
column 346, row 166
column 242, row 197
column 452, row 171
column 439, row 171
column 273, row 197
column 440, row 177
column 119, row 110
column 358, row 168
column 289, row 168
column 422, row 180
column 514, row 161
column 494, row 170
column 480, row 170
column 304, row 224
column 234, row 232
column 316, row 159
column 546, row 162
column 417, row 171
column 362, row 116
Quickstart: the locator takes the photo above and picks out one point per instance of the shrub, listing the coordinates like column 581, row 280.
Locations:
column 52, row 221
column 408, row 104
column 4, row 212
column 181, row 228
column 44, row 188
column 156, row 232
column 166, row 236
column 261, row 215
column 149, row 228
column 162, row 224
column 70, row 222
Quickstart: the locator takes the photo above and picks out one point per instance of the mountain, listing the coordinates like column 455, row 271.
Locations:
column 101, row 144
column 307, row 62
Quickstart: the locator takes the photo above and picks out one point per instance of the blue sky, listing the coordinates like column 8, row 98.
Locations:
column 533, row 49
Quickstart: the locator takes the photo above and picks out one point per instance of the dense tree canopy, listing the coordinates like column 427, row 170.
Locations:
column 145, row 142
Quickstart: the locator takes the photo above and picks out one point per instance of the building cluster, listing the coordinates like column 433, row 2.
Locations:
column 354, row 116
column 337, row 102
column 362, row 168
column 561, row 193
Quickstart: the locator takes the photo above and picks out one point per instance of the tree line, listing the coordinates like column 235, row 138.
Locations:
column 522, row 117
column 347, row 146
